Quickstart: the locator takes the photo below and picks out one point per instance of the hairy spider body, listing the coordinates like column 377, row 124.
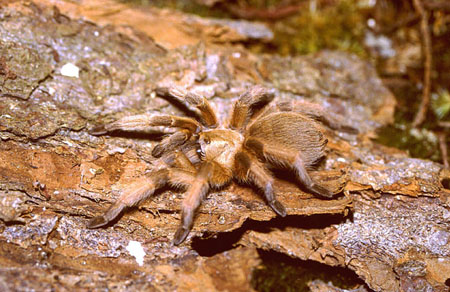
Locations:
column 205, row 154
column 220, row 145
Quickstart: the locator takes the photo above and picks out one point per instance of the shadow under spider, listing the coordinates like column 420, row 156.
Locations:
column 211, row 244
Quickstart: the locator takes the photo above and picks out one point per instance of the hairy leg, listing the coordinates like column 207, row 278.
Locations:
column 206, row 112
column 250, row 169
column 278, row 155
column 182, row 174
column 171, row 142
column 182, row 162
column 243, row 107
column 143, row 122
column 198, row 189
column 136, row 192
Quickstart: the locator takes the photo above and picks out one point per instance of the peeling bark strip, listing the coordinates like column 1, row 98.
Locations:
column 390, row 224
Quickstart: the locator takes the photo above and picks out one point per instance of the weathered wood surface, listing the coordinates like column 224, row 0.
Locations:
column 390, row 224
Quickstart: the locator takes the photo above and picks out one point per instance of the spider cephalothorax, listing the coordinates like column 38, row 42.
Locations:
column 205, row 154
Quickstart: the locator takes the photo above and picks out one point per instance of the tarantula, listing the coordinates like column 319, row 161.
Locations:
column 203, row 154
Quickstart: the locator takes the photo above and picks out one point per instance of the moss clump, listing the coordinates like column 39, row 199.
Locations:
column 441, row 103
column 420, row 143
column 338, row 27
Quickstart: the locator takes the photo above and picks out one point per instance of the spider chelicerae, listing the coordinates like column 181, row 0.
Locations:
column 204, row 154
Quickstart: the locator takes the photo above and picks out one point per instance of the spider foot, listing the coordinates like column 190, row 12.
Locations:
column 112, row 213
column 349, row 129
column 278, row 208
column 98, row 130
column 158, row 151
column 96, row 222
column 321, row 191
column 180, row 235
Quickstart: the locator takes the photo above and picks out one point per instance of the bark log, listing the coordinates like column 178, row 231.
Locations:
column 61, row 76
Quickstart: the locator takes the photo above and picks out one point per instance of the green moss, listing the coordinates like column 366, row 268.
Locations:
column 338, row 27
column 420, row 143
column 441, row 103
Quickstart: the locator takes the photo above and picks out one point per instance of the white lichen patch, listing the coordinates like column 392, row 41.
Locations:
column 136, row 250
column 70, row 70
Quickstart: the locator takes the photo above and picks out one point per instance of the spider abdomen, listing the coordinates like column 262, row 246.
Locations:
column 292, row 131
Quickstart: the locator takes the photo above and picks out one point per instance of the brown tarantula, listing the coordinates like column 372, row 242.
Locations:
column 205, row 154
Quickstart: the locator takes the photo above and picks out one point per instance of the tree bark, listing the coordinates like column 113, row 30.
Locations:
column 61, row 76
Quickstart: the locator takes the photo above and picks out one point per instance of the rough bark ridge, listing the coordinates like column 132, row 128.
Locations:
column 61, row 76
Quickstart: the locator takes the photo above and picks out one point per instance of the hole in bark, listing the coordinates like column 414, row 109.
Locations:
column 446, row 183
column 447, row 282
column 212, row 244
column 14, row 222
column 280, row 272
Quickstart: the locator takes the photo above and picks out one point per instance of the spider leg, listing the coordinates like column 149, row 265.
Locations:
column 243, row 106
column 142, row 122
column 171, row 142
column 195, row 194
column 201, row 103
column 279, row 155
column 210, row 174
column 181, row 161
column 181, row 174
column 136, row 192
column 250, row 169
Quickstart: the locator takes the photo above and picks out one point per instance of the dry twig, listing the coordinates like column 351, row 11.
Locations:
column 444, row 124
column 426, row 49
column 443, row 146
